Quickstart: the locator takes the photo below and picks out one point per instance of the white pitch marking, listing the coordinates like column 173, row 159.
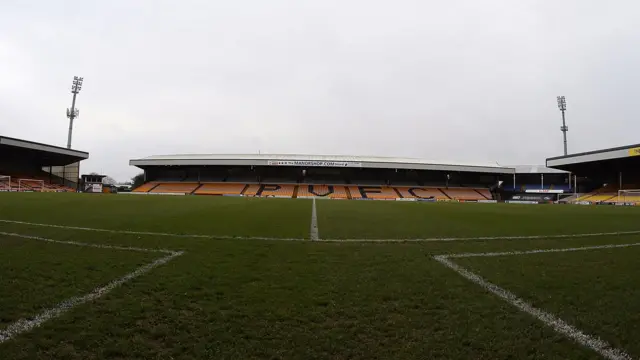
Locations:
column 433, row 239
column 313, row 232
column 23, row 325
column 480, row 238
column 77, row 243
column 129, row 232
column 540, row 251
column 557, row 324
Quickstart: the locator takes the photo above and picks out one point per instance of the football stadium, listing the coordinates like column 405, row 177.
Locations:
column 360, row 180
column 279, row 256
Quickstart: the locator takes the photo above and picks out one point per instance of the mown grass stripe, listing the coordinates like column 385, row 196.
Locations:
column 24, row 325
column 596, row 344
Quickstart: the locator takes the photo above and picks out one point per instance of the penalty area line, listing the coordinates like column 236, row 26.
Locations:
column 25, row 325
column 593, row 342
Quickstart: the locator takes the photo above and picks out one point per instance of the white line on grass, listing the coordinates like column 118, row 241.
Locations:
column 541, row 251
column 24, row 325
column 432, row 239
column 557, row 324
column 77, row 243
column 479, row 238
column 313, row 233
column 129, row 232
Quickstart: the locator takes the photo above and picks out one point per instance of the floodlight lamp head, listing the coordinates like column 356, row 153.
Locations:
column 562, row 103
column 76, row 86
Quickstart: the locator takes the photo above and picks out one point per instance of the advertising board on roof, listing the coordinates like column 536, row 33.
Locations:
column 544, row 191
column 634, row 151
column 314, row 163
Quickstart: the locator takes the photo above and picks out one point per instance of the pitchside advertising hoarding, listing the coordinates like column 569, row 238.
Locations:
column 309, row 163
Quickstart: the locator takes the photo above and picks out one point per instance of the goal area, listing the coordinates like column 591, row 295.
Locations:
column 30, row 185
column 631, row 195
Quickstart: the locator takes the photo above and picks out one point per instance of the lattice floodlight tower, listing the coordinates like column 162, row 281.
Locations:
column 562, row 105
column 73, row 113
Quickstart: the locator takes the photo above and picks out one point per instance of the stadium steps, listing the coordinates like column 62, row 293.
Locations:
column 585, row 197
column 147, row 190
column 445, row 194
column 346, row 189
column 246, row 186
column 295, row 192
column 154, row 186
column 572, row 198
column 611, row 197
column 196, row 189
column 481, row 194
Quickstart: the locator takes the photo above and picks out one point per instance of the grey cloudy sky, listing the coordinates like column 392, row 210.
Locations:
column 448, row 80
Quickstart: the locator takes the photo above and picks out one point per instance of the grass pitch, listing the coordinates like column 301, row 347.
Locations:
column 234, row 298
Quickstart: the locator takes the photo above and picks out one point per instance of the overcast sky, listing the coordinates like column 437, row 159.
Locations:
column 463, row 81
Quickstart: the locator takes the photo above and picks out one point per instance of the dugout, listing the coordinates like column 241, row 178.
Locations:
column 618, row 168
column 51, row 164
column 536, row 183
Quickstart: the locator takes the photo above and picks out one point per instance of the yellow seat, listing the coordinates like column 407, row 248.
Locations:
column 463, row 194
column 220, row 189
column 420, row 192
column 175, row 187
column 330, row 191
column 285, row 190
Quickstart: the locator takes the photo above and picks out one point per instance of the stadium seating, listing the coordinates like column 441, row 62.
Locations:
column 145, row 187
column 374, row 192
column 220, row 189
column 485, row 193
column 463, row 194
column 175, row 187
column 421, row 192
column 609, row 193
column 284, row 190
column 629, row 198
column 606, row 193
column 32, row 183
column 330, row 191
column 601, row 197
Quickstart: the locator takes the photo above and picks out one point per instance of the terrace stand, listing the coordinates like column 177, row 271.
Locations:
column 5, row 183
column 28, row 185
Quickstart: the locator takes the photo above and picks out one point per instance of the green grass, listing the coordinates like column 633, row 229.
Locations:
column 593, row 290
column 37, row 275
column 174, row 214
column 259, row 299
column 391, row 219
